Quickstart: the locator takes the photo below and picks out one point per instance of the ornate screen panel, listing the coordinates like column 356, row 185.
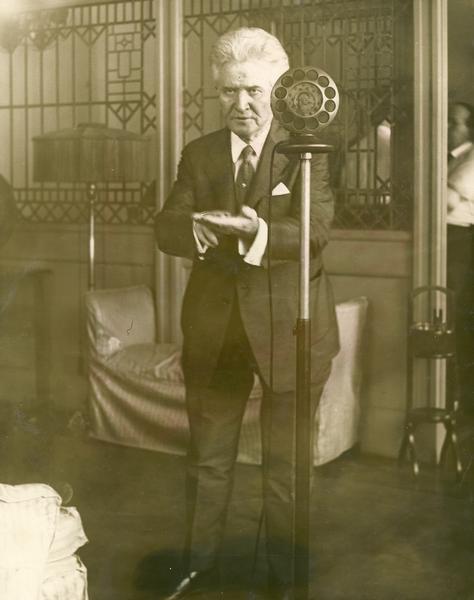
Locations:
column 366, row 46
column 71, row 65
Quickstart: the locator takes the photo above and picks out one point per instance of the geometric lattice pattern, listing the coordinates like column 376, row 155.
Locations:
column 89, row 63
column 366, row 46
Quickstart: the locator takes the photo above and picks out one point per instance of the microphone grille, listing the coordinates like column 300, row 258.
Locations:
column 304, row 99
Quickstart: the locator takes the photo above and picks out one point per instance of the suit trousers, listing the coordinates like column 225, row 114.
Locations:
column 460, row 278
column 215, row 416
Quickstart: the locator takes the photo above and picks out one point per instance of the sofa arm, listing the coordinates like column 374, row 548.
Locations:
column 121, row 317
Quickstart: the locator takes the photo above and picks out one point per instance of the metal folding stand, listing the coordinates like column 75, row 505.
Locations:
column 305, row 146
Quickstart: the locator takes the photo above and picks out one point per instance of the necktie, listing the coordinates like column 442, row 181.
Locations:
column 244, row 175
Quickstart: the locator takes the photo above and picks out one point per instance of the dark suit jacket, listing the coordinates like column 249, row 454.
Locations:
column 205, row 181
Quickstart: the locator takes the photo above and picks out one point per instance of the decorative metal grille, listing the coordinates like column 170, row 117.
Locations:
column 366, row 46
column 71, row 65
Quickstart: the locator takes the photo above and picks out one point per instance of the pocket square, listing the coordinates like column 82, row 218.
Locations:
column 280, row 189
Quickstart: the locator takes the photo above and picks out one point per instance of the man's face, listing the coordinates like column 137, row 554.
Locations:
column 244, row 95
column 458, row 129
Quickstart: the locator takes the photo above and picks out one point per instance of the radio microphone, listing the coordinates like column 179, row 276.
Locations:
column 304, row 100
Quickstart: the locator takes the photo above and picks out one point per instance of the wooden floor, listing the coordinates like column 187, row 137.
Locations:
column 377, row 534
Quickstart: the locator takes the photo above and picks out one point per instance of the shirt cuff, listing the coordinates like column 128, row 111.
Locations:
column 253, row 252
column 200, row 247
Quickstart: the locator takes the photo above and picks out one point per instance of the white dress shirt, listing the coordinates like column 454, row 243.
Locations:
column 461, row 186
column 251, row 251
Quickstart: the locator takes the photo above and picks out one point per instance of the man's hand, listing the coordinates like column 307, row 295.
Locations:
column 207, row 238
column 244, row 225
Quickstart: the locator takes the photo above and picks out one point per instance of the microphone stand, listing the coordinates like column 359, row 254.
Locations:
column 304, row 146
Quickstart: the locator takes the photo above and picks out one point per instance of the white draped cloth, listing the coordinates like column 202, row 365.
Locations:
column 38, row 541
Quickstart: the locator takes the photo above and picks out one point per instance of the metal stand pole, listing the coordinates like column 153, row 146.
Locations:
column 305, row 146
column 303, row 425
column 91, row 196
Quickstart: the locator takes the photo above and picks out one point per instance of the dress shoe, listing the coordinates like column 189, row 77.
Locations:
column 197, row 582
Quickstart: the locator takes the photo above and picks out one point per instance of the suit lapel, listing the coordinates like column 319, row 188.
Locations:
column 220, row 170
column 259, row 187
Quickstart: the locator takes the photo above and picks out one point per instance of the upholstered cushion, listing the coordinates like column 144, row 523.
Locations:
column 117, row 318
column 153, row 361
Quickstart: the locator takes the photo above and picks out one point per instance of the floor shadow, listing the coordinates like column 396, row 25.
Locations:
column 158, row 572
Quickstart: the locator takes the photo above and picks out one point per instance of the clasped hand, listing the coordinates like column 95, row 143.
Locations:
column 211, row 225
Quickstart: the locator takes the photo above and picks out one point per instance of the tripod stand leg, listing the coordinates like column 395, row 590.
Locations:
column 445, row 447
column 457, row 457
column 412, row 449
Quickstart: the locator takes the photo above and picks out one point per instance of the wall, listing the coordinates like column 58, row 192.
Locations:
column 377, row 265
column 461, row 50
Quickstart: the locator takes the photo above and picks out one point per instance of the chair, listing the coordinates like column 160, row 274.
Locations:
column 137, row 394
column 434, row 339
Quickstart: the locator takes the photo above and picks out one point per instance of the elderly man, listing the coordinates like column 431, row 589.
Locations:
column 217, row 214
column 460, row 219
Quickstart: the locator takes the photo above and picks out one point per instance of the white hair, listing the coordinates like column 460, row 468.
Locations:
column 249, row 43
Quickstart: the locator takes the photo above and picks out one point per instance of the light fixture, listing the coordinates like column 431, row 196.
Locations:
column 41, row 27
